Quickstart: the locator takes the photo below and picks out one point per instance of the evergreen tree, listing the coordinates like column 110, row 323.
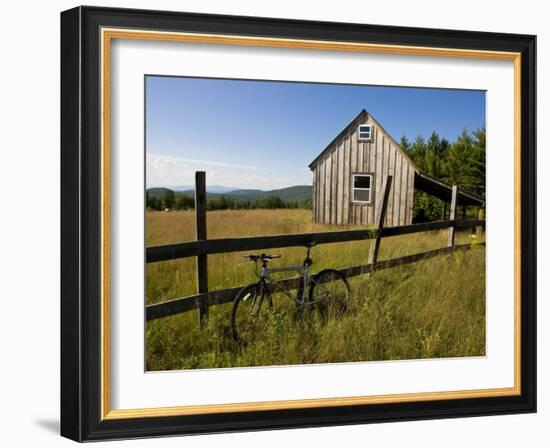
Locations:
column 436, row 150
column 404, row 143
column 417, row 152
column 465, row 162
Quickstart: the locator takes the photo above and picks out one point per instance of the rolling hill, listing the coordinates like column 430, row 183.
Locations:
column 294, row 193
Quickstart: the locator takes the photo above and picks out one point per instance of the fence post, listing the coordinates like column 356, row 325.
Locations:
column 452, row 217
column 202, row 261
column 481, row 217
column 380, row 218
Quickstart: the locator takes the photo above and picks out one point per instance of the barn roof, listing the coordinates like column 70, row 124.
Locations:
column 443, row 190
column 357, row 118
column 354, row 123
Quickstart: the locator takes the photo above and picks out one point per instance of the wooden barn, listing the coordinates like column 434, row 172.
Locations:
column 350, row 172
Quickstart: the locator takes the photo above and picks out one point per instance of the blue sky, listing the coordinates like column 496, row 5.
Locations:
column 259, row 134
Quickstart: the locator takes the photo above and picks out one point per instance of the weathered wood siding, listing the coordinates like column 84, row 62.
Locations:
column 332, row 179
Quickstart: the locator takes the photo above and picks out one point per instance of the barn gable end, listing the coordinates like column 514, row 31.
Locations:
column 348, row 160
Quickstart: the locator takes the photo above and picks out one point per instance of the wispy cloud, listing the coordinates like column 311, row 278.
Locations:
column 162, row 159
column 173, row 171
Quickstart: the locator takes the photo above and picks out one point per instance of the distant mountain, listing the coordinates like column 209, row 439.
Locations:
column 247, row 193
column 209, row 189
column 156, row 191
column 183, row 188
column 294, row 193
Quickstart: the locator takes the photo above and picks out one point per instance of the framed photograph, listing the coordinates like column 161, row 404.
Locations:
column 273, row 223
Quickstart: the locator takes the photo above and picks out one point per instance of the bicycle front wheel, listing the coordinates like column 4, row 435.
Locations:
column 329, row 292
column 249, row 316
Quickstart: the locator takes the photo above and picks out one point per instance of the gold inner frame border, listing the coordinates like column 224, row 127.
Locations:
column 107, row 35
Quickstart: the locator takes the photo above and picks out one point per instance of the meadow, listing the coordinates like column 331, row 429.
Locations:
column 434, row 308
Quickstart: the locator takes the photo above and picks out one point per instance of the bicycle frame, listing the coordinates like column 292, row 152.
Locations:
column 303, row 271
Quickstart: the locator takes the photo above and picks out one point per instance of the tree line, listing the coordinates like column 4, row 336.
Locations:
column 169, row 200
column 460, row 163
column 270, row 202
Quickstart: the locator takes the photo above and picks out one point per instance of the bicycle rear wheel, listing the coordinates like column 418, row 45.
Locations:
column 249, row 316
column 329, row 292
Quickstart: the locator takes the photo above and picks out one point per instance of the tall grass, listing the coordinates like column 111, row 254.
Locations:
column 433, row 308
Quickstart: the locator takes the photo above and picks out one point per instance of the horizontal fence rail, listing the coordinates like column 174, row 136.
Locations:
column 224, row 245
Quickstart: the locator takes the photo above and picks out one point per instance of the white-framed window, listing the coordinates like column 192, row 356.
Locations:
column 365, row 132
column 362, row 186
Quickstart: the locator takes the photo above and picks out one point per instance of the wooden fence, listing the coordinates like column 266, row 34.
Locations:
column 202, row 247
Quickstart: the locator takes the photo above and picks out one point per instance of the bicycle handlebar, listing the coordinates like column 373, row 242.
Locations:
column 267, row 257
column 262, row 257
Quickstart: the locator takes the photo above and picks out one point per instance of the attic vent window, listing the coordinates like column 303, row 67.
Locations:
column 365, row 132
column 362, row 188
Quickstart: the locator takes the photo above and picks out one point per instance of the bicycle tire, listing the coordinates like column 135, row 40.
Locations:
column 336, row 303
column 240, row 330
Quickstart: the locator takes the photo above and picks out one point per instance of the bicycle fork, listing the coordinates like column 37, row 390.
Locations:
column 258, row 301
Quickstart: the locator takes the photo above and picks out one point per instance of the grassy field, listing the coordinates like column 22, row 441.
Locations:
column 433, row 308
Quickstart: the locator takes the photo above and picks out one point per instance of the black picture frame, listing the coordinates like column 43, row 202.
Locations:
column 81, row 224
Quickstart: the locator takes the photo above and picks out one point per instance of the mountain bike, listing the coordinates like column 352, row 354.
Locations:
column 327, row 291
